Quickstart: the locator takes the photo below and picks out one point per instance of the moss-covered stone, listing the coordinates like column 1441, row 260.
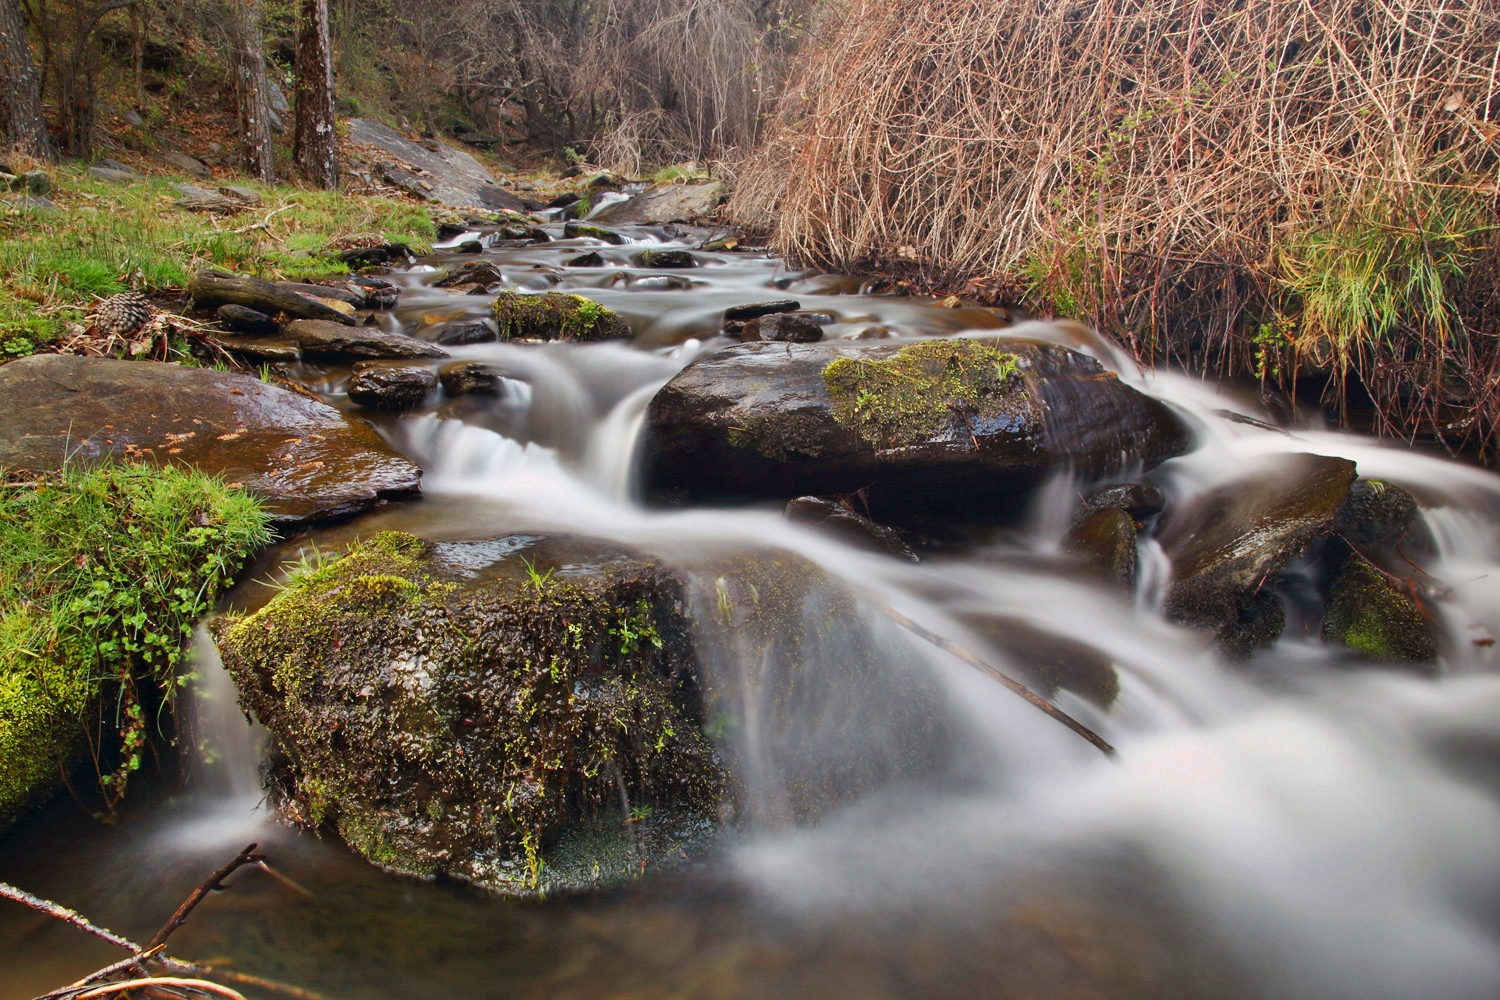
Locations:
column 556, row 316
column 925, row 389
column 1369, row 614
column 445, row 719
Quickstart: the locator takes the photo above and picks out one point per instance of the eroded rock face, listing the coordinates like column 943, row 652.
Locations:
column 456, row 708
column 963, row 426
column 445, row 175
column 301, row 455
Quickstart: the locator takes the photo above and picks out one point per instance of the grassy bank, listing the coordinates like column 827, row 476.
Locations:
column 106, row 238
column 103, row 572
column 1281, row 187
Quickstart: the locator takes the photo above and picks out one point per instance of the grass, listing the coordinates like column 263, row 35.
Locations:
column 106, row 238
column 103, row 572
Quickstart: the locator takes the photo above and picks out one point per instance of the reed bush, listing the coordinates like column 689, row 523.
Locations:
column 1283, row 187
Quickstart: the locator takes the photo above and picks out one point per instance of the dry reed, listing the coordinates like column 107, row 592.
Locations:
column 1270, row 186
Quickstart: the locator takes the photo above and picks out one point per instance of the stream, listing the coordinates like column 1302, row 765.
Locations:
column 1300, row 826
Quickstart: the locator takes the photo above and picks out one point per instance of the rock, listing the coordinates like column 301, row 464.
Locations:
column 478, row 272
column 664, row 259
column 32, row 182
column 721, row 244
column 445, row 175
column 758, row 309
column 133, row 117
column 661, row 283
column 590, row 259
column 1368, row 613
column 964, row 427
column 664, row 203
column 391, row 387
column 33, row 204
column 1105, row 540
column 470, row 378
column 479, row 140
column 190, row 165
column 469, row 246
column 1382, row 522
column 458, row 708
column 301, row 455
column 321, row 339
column 199, row 199
column 375, row 256
column 374, row 293
column 1227, row 547
column 835, row 519
column 112, row 176
column 324, row 293
column 241, row 194
column 585, row 231
column 1141, row 501
column 123, row 168
column 276, row 97
column 466, row 332
column 555, row 316
column 261, row 349
column 1050, row 661
column 790, row 328
column 565, row 199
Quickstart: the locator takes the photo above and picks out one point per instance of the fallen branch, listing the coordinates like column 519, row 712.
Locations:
column 245, row 857
column 201, row 985
column 50, row 908
column 1036, row 700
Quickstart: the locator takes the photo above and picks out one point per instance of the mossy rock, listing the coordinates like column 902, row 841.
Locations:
column 556, row 316
column 43, row 700
column 1368, row 613
column 458, row 708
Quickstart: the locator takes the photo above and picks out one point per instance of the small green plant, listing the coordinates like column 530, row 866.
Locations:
column 536, row 579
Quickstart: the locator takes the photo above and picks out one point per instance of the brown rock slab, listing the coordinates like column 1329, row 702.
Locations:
column 332, row 341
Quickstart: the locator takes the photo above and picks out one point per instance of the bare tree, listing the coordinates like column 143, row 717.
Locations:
column 21, row 123
column 248, row 57
column 315, row 145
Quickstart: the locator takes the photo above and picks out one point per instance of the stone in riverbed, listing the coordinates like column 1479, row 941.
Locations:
column 1367, row 612
column 470, row 378
column 755, row 310
column 332, row 341
column 688, row 203
column 457, row 708
column 583, row 230
column 1105, row 541
column 466, row 332
column 243, row 319
column 837, row 520
column 556, row 316
column 391, row 387
column 792, row 328
column 958, row 427
column 301, row 455
column 664, row 259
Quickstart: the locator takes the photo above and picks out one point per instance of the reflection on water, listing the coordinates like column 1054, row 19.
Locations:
column 1299, row 828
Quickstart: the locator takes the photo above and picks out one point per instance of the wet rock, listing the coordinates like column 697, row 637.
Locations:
column 1370, row 614
column 964, row 427
column 664, row 203
column 470, row 378
column 789, row 327
column 374, row 293
column 375, row 256
column 755, row 310
column 583, row 230
column 445, row 175
column 476, row 272
column 261, row 349
column 469, row 246
column 1141, row 501
column 459, row 708
column 300, row 454
column 332, row 341
column 383, row 386
column 661, row 283
column 448, row 230
column 1382, row 522
column 466, row 332
column 838, row 520
column 555, row 316
column 590, row 259
column 243, row 319
column 1228, row 546
column 1050, row 662
column 664, row 259
column 1105, row 540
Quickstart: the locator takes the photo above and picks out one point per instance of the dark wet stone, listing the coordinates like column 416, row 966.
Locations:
column 470, row 246
column 837, row 520
column 1141, row 501
column 755, row 310
column 243, row 319
column 688, row 203
column 450, row 710
column 1050, row 662
column 448, row 230
column 1105, row 540
column 319, row 339
column 302, row 455
column 391, row 387
column 477, row 272
column 261, row 349
column 1370, row 613
column 476, row 331
column 466, row 378
column 789, row 327
column 565, row 199
column 757, row 421
column 1228, row 546
column 377, row 292
column 583, row 230
column 1382, row 522
column 334, row 292
column 664, row 259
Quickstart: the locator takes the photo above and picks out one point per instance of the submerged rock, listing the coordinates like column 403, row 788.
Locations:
column 1105, row 540
column 470, row 378
column 301, row 455
column 1370, row 614
column 664, row 259
column 965, row 427
column 839, row 521
column 459, row 708
column 556, row 316
column 1227, row 548
column 1050, row 662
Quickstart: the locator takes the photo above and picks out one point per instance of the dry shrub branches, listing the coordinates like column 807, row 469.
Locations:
column 1271, row 186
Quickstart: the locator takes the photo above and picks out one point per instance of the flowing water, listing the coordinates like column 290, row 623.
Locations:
column 1298, row 827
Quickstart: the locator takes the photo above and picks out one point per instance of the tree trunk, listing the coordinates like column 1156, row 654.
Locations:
column 248, row 44
column 316, row 145
column 21, row 124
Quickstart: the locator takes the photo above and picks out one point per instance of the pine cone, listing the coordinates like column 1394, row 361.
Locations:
column 122, row 315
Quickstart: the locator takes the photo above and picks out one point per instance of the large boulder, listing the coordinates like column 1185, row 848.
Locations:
column 301, row 455
column 966, row 427
column 445, row 175
column 667, row 203
column 522, row 713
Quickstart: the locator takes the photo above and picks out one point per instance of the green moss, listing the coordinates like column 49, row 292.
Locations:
column 1367, row 613
column 103, row 572
column 923, row 390
column 555, row 316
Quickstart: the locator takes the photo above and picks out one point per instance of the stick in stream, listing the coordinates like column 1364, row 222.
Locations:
column 245, row 857
column 50, row 908
column 954, row 649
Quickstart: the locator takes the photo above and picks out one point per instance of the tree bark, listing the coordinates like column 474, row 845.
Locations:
column 21, row 124
column 316, row 145
column 248, row 44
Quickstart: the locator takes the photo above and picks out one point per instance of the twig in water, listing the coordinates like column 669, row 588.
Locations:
column 50, row 908
column 954, row 649
column 245, row 857
column 201, row 985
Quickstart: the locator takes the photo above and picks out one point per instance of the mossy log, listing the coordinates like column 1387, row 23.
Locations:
column 211, row 287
